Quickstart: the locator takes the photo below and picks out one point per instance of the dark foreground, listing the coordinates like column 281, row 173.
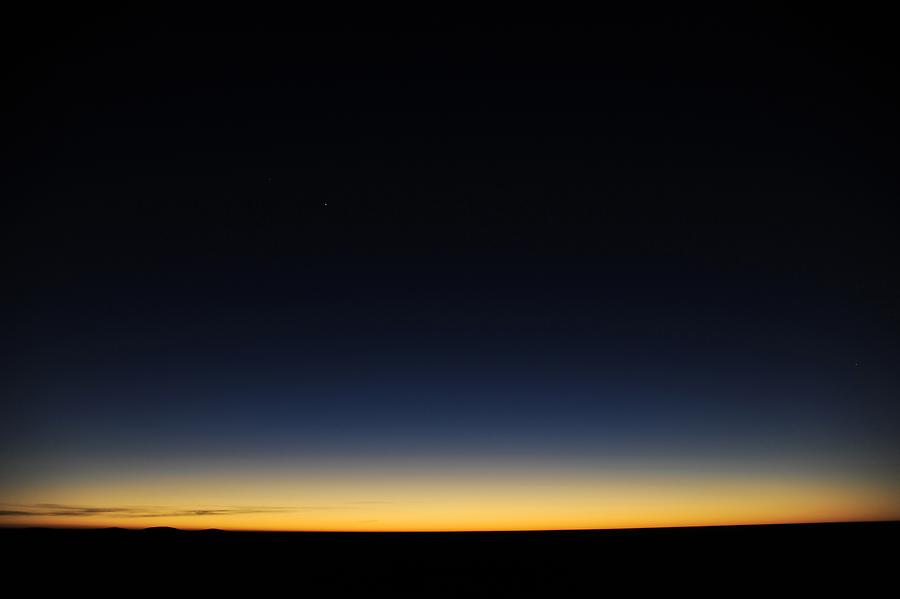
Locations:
column 717, row 560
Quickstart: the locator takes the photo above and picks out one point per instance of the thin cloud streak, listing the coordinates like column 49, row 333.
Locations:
column 74, row 511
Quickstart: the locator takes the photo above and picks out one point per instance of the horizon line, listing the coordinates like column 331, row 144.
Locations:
column 454, row 531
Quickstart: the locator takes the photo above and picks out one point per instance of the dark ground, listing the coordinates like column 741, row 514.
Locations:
column 851, row 557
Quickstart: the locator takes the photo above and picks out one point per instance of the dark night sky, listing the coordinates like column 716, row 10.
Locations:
column 660, row 245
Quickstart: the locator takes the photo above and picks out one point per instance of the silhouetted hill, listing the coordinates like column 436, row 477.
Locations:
column 161, row 529
column 847, row 557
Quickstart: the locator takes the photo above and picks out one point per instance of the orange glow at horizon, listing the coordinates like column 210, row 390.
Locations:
column 450, row 503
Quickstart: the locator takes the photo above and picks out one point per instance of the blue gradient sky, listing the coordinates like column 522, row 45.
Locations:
column 323, row 282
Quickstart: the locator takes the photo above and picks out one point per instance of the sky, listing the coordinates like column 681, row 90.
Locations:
column 268, row 276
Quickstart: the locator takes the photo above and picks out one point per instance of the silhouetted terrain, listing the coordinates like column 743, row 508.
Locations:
column 849, row 557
